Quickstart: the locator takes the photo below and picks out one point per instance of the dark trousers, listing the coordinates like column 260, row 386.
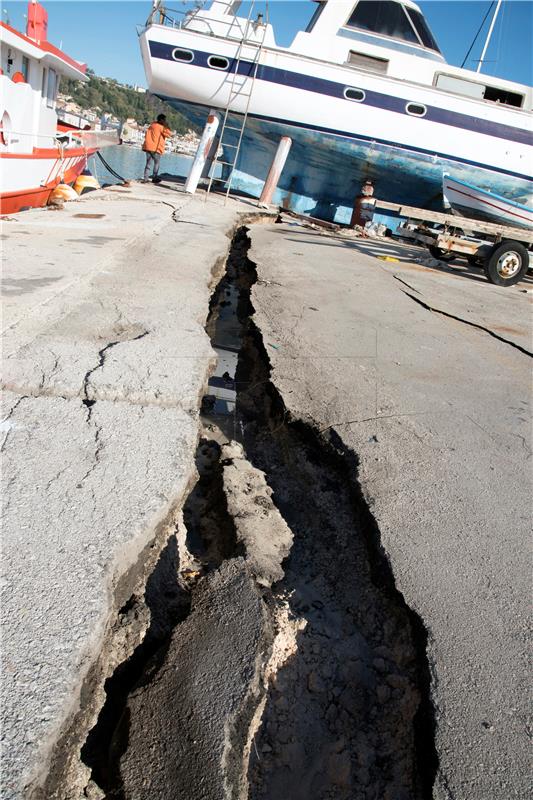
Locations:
column 155, row 158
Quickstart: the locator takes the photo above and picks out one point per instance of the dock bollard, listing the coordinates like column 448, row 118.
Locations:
column 364, row 206
column 275, row 170
column 202, row 152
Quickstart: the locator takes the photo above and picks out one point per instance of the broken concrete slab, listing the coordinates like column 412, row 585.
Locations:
column 93, row 347
column 438, row 419
column 189, row 727
column 260, row 528
column 99, row 454
column 85, row 491
column 51, row 255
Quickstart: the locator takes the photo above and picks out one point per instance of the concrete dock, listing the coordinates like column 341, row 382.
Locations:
column 418, row 375
column 105, row 360
column 424, row 373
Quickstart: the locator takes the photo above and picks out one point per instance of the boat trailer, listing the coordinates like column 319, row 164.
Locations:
column 502, row 251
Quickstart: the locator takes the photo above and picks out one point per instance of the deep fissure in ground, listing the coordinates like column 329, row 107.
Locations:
column 347, row 715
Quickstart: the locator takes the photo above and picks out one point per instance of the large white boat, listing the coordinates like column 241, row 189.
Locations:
column 364, row 93
column 36, row 151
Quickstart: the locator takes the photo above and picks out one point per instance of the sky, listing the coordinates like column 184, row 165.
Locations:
column 103, row 33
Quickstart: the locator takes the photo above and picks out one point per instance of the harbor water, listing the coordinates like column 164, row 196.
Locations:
column 129, row 162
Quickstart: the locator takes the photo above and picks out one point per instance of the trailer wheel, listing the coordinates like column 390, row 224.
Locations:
column 507, row 264
column 442, row 255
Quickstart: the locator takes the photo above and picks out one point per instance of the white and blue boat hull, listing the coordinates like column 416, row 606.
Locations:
column 324, row 172
column 339, row 142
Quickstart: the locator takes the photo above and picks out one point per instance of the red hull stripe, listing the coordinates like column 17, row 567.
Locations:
column 484, row 202
column 53, row 152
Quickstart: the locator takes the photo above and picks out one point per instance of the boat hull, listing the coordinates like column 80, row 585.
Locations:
column 472, row 201
column 29, row 180
column 339, row 143
column 324, row 172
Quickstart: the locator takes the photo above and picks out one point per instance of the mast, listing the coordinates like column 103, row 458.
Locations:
column 489, row 34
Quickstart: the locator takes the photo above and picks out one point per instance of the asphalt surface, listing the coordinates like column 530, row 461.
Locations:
column 105, row 359
column 423, row 373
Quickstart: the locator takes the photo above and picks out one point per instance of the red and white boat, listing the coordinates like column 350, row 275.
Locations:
column 467, row 200
column 37, row 153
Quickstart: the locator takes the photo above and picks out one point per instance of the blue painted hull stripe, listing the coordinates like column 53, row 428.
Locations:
column 311, row 83
column 369, row 139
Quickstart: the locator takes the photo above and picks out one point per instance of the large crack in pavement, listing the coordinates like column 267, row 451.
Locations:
column 469, row 323
column 280, row 660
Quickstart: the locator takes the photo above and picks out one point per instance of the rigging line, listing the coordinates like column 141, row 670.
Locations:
column 477, row 34
column 500, row 37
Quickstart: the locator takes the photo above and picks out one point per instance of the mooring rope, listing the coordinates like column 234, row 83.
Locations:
column 110, row 168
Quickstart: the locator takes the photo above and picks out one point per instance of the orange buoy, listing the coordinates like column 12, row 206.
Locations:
column 85, row 183
column 62, row 193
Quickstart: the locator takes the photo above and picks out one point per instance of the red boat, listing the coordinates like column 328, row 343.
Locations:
column 36, row 152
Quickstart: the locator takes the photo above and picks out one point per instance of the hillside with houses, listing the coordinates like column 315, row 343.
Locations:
column 104, row 103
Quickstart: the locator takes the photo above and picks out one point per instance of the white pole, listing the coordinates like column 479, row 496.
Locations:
column 202, row 153
column 275, row 170
column 489, row 34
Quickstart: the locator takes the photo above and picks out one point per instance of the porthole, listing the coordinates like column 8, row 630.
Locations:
column 354, row 94
column 416, row 109
column 218, row 62
column 182, row 55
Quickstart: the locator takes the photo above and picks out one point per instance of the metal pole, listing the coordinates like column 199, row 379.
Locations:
column 489, row 34
column 202, row 153
column 275, row 170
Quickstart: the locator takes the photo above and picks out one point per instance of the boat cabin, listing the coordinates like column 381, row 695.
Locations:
column 392, row 37
column 385, row 37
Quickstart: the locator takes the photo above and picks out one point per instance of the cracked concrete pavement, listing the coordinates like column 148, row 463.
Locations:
column 438, row 413
column 105, row 359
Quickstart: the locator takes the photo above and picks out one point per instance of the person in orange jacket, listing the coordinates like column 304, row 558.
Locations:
column 154, row 146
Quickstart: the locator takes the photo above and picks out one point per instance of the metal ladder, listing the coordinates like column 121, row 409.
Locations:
column 234, row 92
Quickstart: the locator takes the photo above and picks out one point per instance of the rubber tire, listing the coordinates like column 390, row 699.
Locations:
column 436, row 252
column 491, row 265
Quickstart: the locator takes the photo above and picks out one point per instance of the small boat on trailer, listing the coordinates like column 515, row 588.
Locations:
column 37, row 152
column 468, row 200
column 502, row 251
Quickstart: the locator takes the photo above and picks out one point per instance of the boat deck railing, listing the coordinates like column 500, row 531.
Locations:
column 225, row 25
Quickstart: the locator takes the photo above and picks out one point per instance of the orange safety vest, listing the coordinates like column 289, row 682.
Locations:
column 154, row 141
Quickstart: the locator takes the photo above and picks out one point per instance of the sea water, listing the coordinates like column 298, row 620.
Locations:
column 129, row 162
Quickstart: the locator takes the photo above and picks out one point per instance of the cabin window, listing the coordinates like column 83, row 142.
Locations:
column 318, row 11
column 368, row 63
column 354, row 94
column 426, row 37
column 26, row 68
column 503, row 96
column 182, row 55
column 51, row 88
column 479, row 91
column 416, row 109
column 218, row 62
column 384, row 17
column 458, row 85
